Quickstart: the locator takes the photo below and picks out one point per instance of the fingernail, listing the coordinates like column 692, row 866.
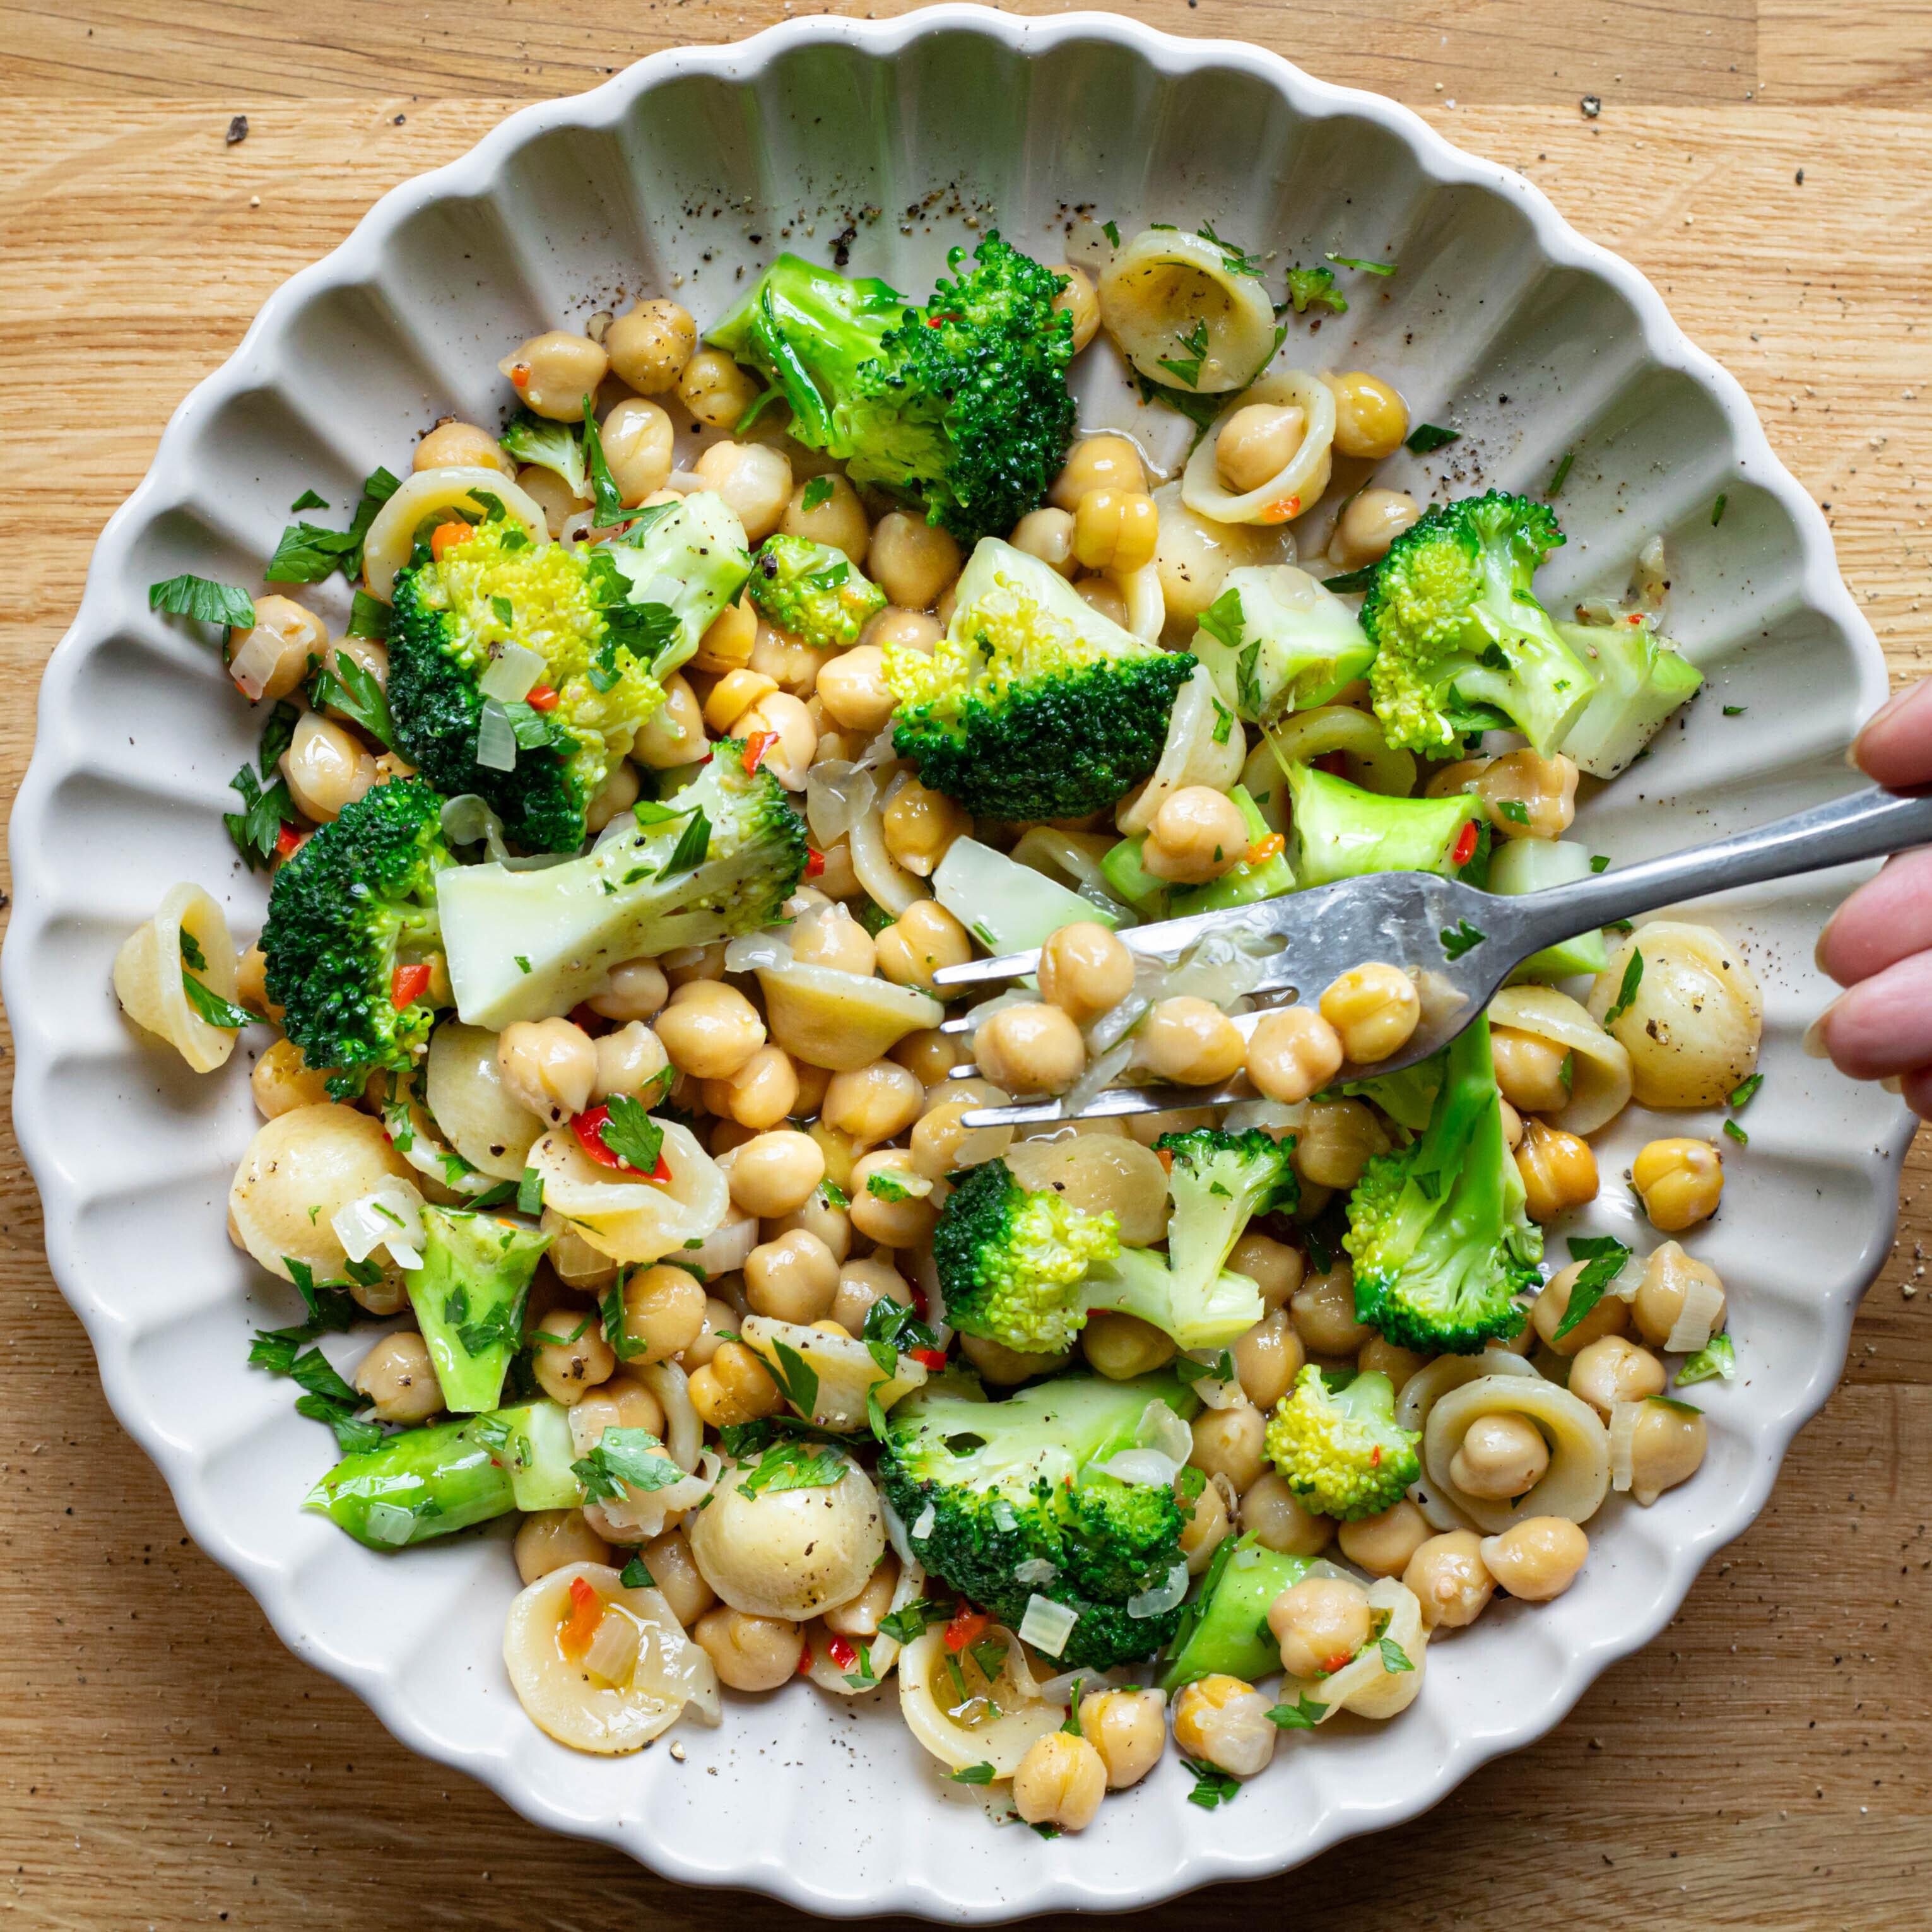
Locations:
column 1813, row 1042
column 1818, row 951
column 1894, row 1083
column 1877, row 718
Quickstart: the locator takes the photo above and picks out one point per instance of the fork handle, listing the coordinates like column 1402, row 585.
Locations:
column 1869, row 824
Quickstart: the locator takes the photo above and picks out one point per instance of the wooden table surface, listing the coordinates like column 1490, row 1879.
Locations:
column 163, row 1761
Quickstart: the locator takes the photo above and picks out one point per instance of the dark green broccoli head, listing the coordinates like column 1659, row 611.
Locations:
column 1437, row 1231
column 962, row 404
column 1010, row 1486
column 813, row 591
column 355, row 901
column 1335, row 1439
column 1461, row 643
column 1010, row 1263
column 1034, row 705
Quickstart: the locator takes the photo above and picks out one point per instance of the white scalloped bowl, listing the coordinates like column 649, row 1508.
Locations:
column 677, row 166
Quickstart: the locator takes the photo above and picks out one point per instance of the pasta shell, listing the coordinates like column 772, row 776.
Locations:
column 1182, row 315
column 789, row 1553
column 392, row 534
column 148, row 976
column 472, row 1107
column 839, row 1020
column 995, row 1728
column 1295, row 488
column 1423, row 1391
column 1578, row 1478
column 881, row 1652
column 1600, row 1079
column 1190, row 757
column 844, row 1368
column 637, row 1220
column 1695, row 1017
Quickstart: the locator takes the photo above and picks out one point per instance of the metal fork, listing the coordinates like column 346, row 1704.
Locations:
column 1461, row 943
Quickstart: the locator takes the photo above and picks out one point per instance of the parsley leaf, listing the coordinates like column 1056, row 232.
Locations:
column 1350, row 580
column 635, row 1576
column 278, row 733
column 1225, row 620
column 1627, row 992
column 1425, row 437
column 1514, row 810
column 608, row 499
column 212, row 1008
column 256, row 828
column 818, row 492
column 631, row 1134
column 797, row 1380
column 1213, row 1786
column 972, row 1774
column 906, row 1624
column 1395, row 1659
column 693, row 846
column 1187, row 1371
column 625, row 1459
column 369, row 617
column 1224, row 722
column 1111, row 230
column 353, row 690
column 1604, row 1256
column 793, row 1465
column 203, row 599
column 1186, row 369
column 529, row 1192
column 1304, row 1714
column 1460, row 938
column 1718, row 509
column 1600, row 861
column 1237, row 260
column 1384, row 269
column 308, row 500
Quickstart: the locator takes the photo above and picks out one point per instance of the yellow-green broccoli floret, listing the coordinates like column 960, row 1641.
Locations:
column 1033, row 705
column 813, row 591
column 1335, row 1439
column 1461, row 644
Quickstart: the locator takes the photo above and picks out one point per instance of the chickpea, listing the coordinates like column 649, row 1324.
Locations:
column 291, row 635
column 1558, row 1170
column 1048, row 535
column 1128, row 1728
column 1189, row 1041
column 859, row 1615
column 837, row 518
column 786, row 719
column 1611, row 1369
column 912, row 630
column 617, row 794
column 930, row 1055
column 1268, row 1358
column 1668, row 1274
column 251, row 982
column 728, row 641
column 452, row 444
column 1004, row 1367
column 720, row 1318
column 1084, row 971
column 862, row 1283
column 1323, row 1311
column 1320, row 1623
column 1500, row 1456
column 853, row 688
column 622, row 1403
column 631, row 1060
column 1383, row 1545
column 885, row 1208
column 1373, row 521
column 710, row 1030
column 733, row 1386
column 753, row 478
column 1097, row 462
column 793, row 1279
column 733, row 695
column 1512, row 1127
column 1378, row 1357
column 693, row 962
column 830, row 936
column 923, row 939
column 1030, row 1049
column 1277, row 1518
column 1450, row 1580
column 281, row 1081
column 750, row 1653
column 912, row 561
column 1122, row 1346
column 399, row 1379
column 1059, row 1781
column 940, row 1139
column 677, row 1577
column 548, row 1067
column 1224, row 1721
column 1681, row 1180
column 715, row 390
column 1257, row 443
column 1294, row 1052
column 1374, row 1009
column 554, row 372
column 650, row 345
column 638, row 990
column 663, row 1311
column 1338, row 1139
column 1273, row 1266
column 774, row 1173
column 637, row 437
column 920, row 827
column 1529, row 1070
column 1537, row 1559
column 817, row 1217
column 548, row 1539
column 873, row 1103
column 1198, row 834
column 1667, row 1448
column 326, row 767
column 1208, row 1521
column 1228, row 1442
column 1370, row 418
column 1077, row 298
column 1115, row 530
column 570, row 1355
column 1610, row 1316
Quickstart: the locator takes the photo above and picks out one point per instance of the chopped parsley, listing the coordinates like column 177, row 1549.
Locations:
column 1111, row 230
column 1308, row 288
column 971, row 1774
column 308, row 500
column 1600, row 861
column 1460, row 938
column 882, row 1186
column 1395, row 1659
column 793, row 1465
column 257, row 827
column 1745, row 1091
column 817, row 492
column 203, row 599
column 625, row 1459
column 1427, row 437
column 1186, row 370
column 1737, row 1133
column 1213, row 1786
column 1554, row 488
column 1627, row 992
column 629, row 1132
column 1716, row 1360
column 353, row 690
column 1383, row 269
column 1718, row 509
column 1187, row 1370
column 1304, row 1714
column 635, row 1576
column 529, row 1192
column 693, row 846
column 1603, row 1256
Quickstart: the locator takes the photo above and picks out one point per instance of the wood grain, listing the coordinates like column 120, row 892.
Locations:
column 163, row 1761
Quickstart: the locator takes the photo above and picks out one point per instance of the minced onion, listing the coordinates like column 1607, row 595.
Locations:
column 1144, row 1468
column 922, row 1527
column 1047, row 1625
column 1162, row 1597
column 254, row 664
column 1161, row 1428
column 751, row 950
column 1035, row 1570
column 1623, row 1443
column 1101, row 1073
column 467, row 818
column 838, row 794
column 726, row 1249
column 1003, row 1515
column 1703, row 1303
column 614, row 1646
column 387, row 1522
column 684, row 1433
column 512, row 674
column 496, row 739
column 389, row 1217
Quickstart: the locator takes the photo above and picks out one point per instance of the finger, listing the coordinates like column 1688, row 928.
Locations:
column 1883, row 1025
column 1917, row 1090
column 1895, row 747
column 1887, row 919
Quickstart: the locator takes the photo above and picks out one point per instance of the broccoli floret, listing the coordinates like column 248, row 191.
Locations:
column 1461, row 644
column 1334, row 1438
column 1440, row 1244
column 1643, row 677
column 720, row 858
column 963, row 405
column 1338, row 830
column 1277, row 641
column 557, row 447
column 1034, row 705
column 813, row 591
column 610, row 623
column 357, row 900
column 988, row 1489
column 1027, row 1270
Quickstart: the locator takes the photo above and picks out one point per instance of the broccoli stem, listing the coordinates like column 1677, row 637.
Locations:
column 420, row 1483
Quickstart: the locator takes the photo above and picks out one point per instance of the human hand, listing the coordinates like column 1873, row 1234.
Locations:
column 1878, row 944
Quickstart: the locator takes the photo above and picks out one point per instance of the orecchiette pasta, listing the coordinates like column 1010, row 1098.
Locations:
column 657, row 1672
column 1420, row 1393
column 844, row 1368
column 633, row 1220
column 1183, row 315
column 1146, row 607
column 1366, row 1684
column 386, row 548
column 1193, row 555
column 997, row 1721
column 466, row 1093
column 1300, row 481
column 869, row 1656
column 1578, row 1477
column 1190, row 757
column 1600, row 1077
column 1694, row 1018
column 883, row 877
column 789, row 1553
column 830, row 1019
column 147, row 971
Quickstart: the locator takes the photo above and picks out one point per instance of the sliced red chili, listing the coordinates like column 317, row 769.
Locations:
column 407, row 985
column 756, row 746
column 1465, row 847
column 288, row 841
column 928, row 1358
column 586, row 1612
column 843, row 1651
column 967, row 1625
column 540, row 697
column 814, row 863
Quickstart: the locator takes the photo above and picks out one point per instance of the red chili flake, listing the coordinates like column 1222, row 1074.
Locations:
column 928, row 1358
column 1465, row 847
column 288, row 841
column 588, row 1125
column 805, row 1660
column 1330, row 1665
column 814, row 863
column 586, row 1612
column 540, row 697
column 843, row 1652
column 756, row 746
column 1165, row 1157
column 967, row 1627
column 1376, row 1458
column 407, row 985
column 920, row 1305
